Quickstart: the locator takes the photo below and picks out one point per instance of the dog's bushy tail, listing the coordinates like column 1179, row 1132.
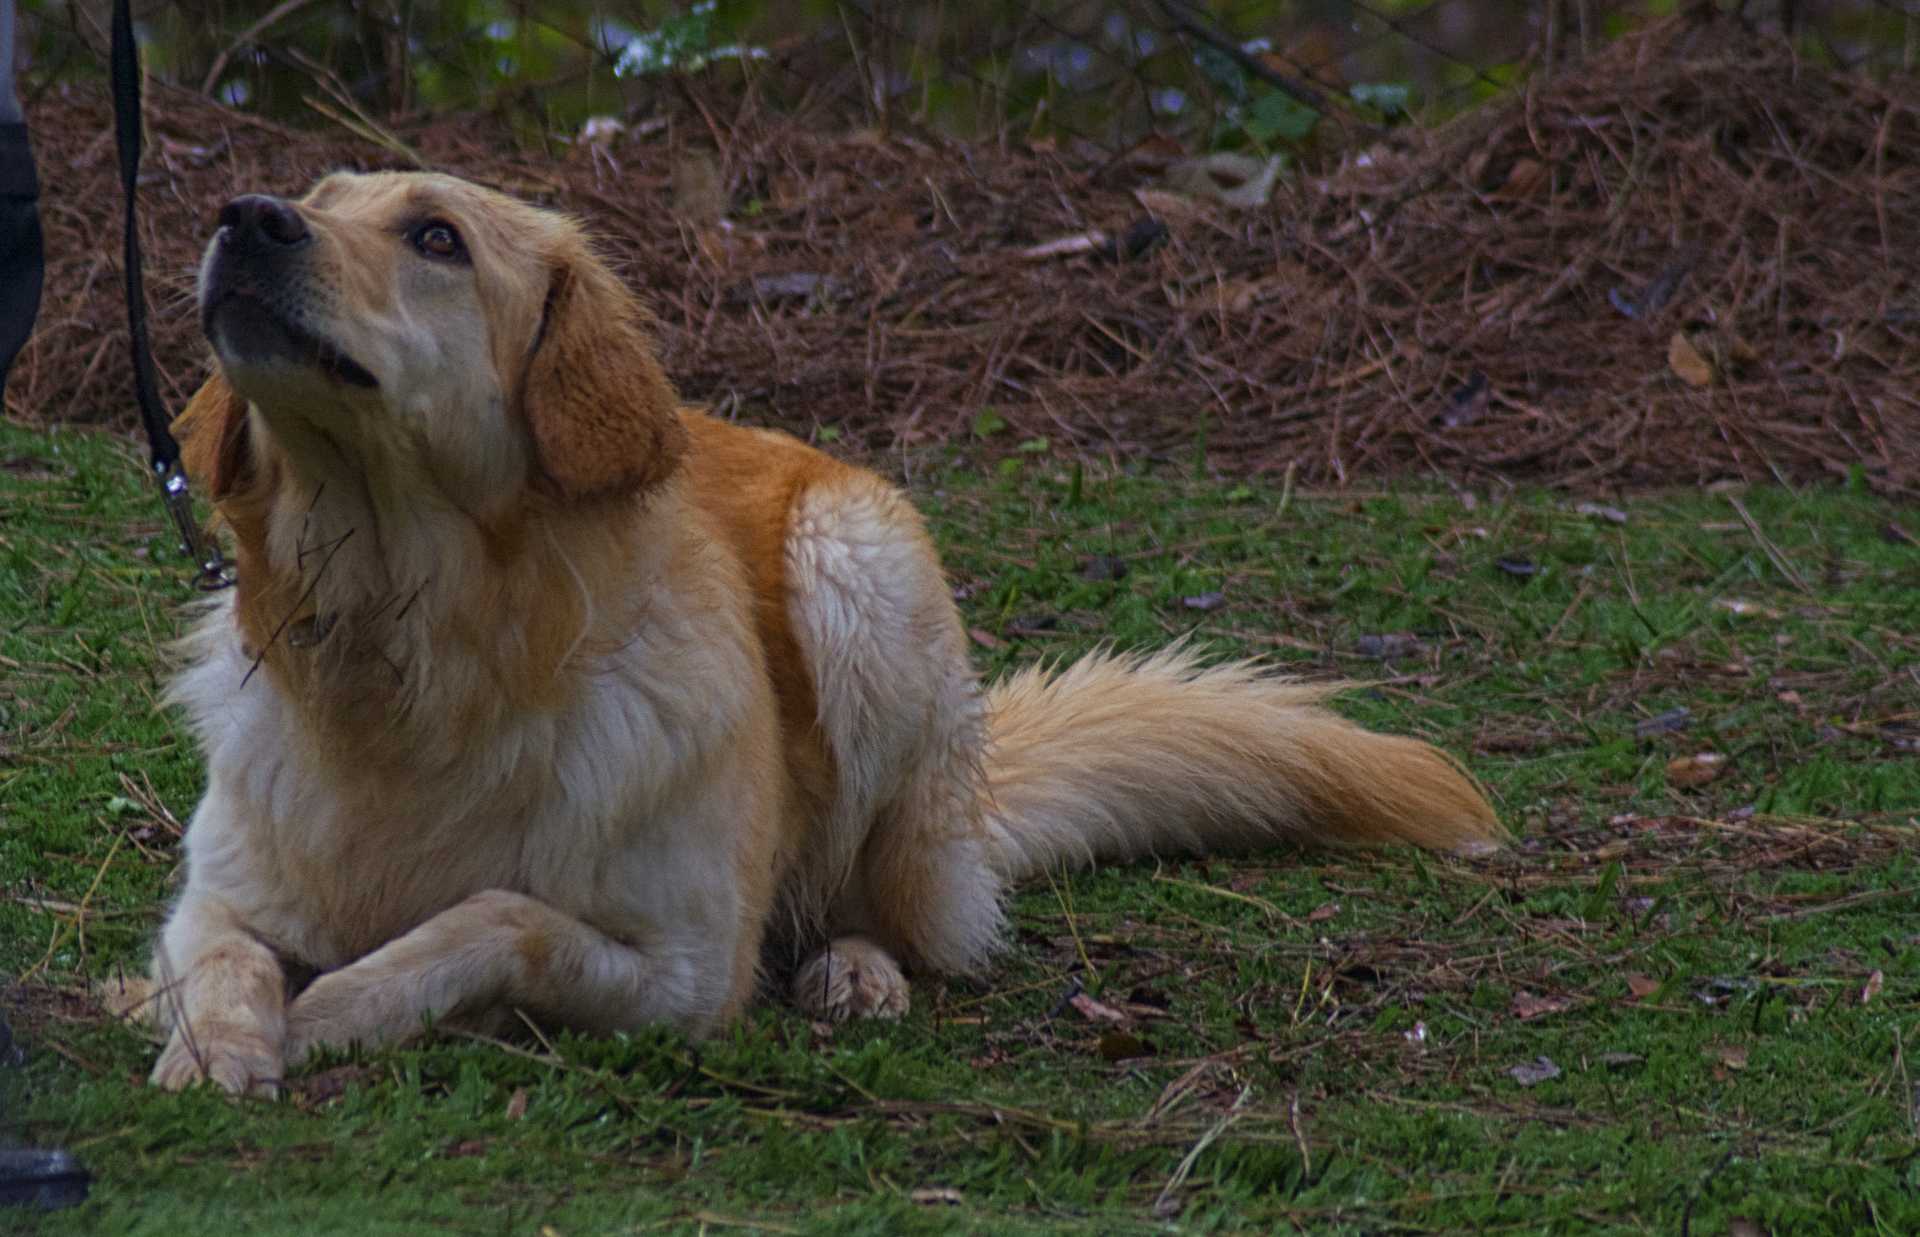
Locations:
column 1120, row 756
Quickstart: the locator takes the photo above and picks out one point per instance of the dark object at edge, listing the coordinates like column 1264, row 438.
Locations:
column 48, row 1180
column 21, row 263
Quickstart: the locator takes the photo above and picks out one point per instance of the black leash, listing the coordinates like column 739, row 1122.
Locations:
column 213, row 572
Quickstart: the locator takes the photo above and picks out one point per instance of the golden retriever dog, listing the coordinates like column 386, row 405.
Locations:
column 542, row 692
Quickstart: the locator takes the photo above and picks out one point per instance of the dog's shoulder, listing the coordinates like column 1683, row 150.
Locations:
column 726, row 459
column 749, row 480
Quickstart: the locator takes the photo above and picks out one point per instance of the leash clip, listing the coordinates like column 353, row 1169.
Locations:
column 213, row 574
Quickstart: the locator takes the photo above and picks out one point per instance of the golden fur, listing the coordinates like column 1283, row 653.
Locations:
column 540, row 691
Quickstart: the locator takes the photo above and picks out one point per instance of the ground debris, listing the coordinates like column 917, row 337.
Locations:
column 1496, row 296
column 1695, row 770
column 1527, row 1006
column 1533, row 1073
column 1669, row 722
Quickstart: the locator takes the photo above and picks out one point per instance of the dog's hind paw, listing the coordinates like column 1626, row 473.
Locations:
column 851, row 978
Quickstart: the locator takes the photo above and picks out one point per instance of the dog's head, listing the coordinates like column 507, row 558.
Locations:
column 464, row 338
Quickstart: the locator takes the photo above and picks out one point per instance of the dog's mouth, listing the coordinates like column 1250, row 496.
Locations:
column 245, row 328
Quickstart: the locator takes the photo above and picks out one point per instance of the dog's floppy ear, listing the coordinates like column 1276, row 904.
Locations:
column 212, row 432
column 604, row 419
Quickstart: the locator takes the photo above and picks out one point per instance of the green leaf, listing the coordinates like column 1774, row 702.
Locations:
column 1601, row 899
column 1275, row 117
column 1387, row 98
column 72, row 601
column 987, row 423
column 1223, row 72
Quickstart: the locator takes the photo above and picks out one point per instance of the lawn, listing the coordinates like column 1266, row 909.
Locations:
column 1685, row 996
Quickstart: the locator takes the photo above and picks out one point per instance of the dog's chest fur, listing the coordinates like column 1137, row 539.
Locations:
column 349, row 803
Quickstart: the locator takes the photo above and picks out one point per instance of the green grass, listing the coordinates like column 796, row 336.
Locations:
column 1312, row 1040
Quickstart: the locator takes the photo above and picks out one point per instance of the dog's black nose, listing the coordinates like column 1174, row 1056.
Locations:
column 266, row 222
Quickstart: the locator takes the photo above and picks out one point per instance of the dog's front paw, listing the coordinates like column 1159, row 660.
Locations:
column 312, row 1026
column 233, row 1058
column 341, row 1009
column 851, row 978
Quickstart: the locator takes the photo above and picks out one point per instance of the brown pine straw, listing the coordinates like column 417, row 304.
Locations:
column 1694, row 178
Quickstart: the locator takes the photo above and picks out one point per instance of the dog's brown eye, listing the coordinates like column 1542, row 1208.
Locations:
column 437, row 240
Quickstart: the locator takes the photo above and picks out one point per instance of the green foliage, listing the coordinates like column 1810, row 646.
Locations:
column 684, row 42
column 1252, row 113
column 976, row 69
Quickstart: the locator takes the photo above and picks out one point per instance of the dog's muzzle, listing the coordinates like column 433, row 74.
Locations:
column 253, row 286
